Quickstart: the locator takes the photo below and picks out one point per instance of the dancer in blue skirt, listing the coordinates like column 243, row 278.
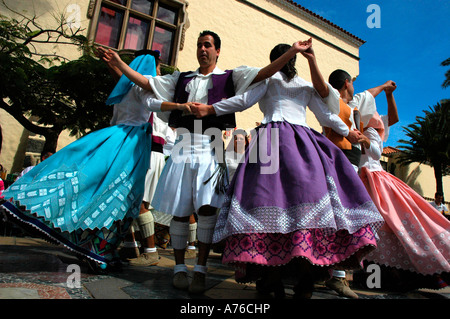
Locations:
column 86, row 195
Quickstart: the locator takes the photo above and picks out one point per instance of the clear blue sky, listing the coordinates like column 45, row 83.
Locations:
column 408, row 48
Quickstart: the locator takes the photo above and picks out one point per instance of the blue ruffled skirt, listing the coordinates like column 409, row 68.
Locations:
column 85, row 195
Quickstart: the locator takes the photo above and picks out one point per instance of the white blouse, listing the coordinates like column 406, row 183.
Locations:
column 136, row 108
column 372, row 156
column 233, row 160
column 280, row 100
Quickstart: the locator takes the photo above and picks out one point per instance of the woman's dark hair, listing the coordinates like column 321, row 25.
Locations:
column 241, row 132
column 337, row 78
column 289, row 69
column 156, row 54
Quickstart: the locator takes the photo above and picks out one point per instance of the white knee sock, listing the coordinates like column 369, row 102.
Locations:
column 146, row 224
column 179, row 233
column 205, row 228
column 192, row 232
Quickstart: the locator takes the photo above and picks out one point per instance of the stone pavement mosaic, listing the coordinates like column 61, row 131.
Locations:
column 33, row 269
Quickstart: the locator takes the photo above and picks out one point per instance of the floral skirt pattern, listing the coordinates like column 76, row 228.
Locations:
column 313, row 206
column 319, row 248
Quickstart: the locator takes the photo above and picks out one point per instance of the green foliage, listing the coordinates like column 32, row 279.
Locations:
column 429, row 136
column 69, row 95
column 446, row 83
column 60, row 94
column 83, row 85
column 429, row 140
column 167, row 69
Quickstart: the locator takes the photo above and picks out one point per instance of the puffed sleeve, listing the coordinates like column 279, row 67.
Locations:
column 164, row 86
column 243, row 76
column 148, row 99
column 333, row 100
column 376, row 145
column 365, row 102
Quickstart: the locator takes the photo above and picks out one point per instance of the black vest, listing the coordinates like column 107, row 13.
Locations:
column 223, row 88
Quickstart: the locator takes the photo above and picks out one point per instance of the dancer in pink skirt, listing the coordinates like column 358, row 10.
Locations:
column 415, row 237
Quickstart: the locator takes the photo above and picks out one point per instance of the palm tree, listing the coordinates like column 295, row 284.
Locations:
column 429, row 141
column 447, row 74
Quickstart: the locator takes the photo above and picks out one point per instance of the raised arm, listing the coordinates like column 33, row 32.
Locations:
column 114, row 71
column 378, row 89
column 114, row 60
column 278, row 64
column 316, row 76
column 392, row 106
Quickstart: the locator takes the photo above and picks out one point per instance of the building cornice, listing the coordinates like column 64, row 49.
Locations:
column 317, row 19
column 302, row 29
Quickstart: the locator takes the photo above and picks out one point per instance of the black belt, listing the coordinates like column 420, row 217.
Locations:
column 353, row 155
column 156, row 147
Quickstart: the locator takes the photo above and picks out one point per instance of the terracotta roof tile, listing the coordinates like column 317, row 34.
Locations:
column 390, row 150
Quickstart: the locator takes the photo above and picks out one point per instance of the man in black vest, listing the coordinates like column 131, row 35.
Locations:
column 191, row 179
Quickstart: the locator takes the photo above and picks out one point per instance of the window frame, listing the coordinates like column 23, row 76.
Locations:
column 178, row 28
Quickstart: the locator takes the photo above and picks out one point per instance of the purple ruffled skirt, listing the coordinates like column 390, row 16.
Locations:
column 296, row 195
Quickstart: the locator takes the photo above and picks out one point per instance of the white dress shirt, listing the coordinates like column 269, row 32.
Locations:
column 164, row 86
column 371, row 157
column 136, row 108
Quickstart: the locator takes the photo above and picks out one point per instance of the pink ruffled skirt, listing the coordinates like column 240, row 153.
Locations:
column 415, row 236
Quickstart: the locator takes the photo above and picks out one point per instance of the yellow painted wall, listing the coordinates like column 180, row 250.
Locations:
column 48, row 13
column 420, row 177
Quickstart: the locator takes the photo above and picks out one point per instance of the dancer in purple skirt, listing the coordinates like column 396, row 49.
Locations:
column 296, row 197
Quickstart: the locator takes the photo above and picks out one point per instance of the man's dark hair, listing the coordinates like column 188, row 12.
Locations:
column 337, row 78
column 289, row 68
column 216, row 38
